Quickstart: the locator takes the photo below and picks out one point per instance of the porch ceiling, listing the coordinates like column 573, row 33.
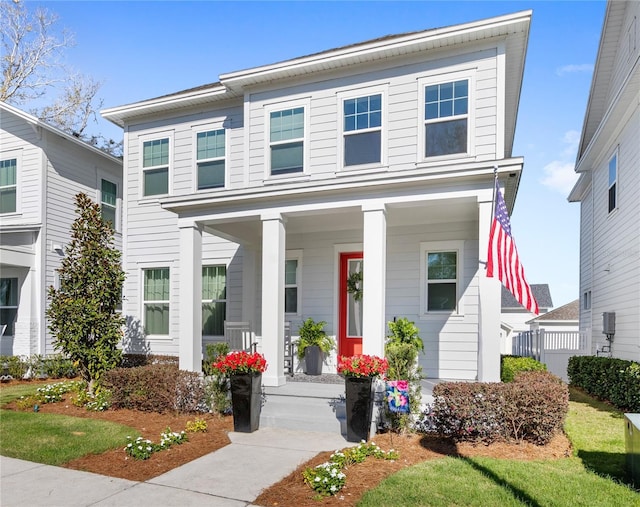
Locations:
column 249, row 229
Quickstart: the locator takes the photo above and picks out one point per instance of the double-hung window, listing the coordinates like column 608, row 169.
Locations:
column 155, row 167
column 446, row 117
column 210, row 155
column 441, row 268
column 362, row 130
column 156, row 301
column 8, row 185
column 214, row 300
column 8, row 303
column 108, row 201
column 291, row 285
column 286, row 141
column 613, row 182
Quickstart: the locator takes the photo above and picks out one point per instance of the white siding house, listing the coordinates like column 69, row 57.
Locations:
column 41, row 171
column 608, row 188
column 514, row 317
column 255, row 197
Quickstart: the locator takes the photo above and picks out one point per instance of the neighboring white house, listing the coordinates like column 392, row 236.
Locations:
column 562, row 319
column 41, row 171
column 254, row 198
column 514, row 317
column 608, row 189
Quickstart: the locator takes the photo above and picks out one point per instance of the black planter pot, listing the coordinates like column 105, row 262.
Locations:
column 246, row 401
column 313, row 360
column 359, row 407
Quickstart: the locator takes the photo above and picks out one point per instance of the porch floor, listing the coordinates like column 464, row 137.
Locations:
column 315, row 403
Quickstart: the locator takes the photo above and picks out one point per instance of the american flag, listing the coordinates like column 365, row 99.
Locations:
column 503, row 260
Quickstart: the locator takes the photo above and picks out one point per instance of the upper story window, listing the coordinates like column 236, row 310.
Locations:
column 586, row 300
column 210, row 155
column 446, row 116
column 155, row 167
column 613, row 182
column 214, row 300
column 286, row 141
column 8, row 185
column 108, row 201
column 363, row 130
column 156, row 301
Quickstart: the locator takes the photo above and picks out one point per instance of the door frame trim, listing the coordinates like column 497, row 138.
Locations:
column 338, row 249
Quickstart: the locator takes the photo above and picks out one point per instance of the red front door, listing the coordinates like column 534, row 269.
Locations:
column 350, row 309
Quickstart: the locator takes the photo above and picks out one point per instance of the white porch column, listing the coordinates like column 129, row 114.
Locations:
column 249, row 282
column 273, row 255
column 190, row 291
column 489, row 304
column 374, row 277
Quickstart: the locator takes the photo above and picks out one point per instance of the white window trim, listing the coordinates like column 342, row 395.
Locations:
column 142, row 267
column 208, row 128
column 447, row 77
column 215, row 263
column 304, row 103
column 165, row 134
column 9, row 155
column 441, row 246
column 296, row 255
column 101, row 175
column 382, row 90
column 615, row 155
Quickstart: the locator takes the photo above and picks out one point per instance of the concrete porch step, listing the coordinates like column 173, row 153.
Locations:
column 305, row 406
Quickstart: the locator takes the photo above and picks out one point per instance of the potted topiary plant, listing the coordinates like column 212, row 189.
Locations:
column 313, row 344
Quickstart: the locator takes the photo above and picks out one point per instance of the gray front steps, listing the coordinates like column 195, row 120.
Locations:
column 305, row 406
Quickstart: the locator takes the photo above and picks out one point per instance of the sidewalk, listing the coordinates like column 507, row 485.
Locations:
column 230, row 477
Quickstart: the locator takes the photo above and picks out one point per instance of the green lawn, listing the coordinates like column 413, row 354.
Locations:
column 592, row 477
column 54, row 439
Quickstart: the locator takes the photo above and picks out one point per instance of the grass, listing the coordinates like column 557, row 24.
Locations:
column 54, row 439
column 592, row 477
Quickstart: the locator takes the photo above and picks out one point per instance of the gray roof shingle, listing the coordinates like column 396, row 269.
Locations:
column 540, row 291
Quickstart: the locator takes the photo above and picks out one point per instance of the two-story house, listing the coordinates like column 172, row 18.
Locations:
column 608, row 190
column 257, row 197
column 41, row 171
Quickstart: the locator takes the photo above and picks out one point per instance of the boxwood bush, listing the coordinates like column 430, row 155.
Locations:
column 510, row 366
column 607, row 378
column 531, row 408
column 155, row 388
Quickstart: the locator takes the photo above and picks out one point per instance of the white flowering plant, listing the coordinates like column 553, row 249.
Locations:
column 140, row 448
column 327, row 479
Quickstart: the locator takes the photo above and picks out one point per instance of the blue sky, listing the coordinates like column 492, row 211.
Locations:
column 146, row 49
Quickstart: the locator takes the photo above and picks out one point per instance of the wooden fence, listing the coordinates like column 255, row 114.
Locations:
column 553, row 348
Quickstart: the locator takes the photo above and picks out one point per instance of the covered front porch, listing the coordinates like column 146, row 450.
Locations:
column 390, row 236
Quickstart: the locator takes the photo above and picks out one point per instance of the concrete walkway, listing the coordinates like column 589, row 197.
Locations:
column 230, row 477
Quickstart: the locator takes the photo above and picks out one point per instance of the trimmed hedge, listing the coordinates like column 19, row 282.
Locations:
column 155, row 388
column 607, row 378
column 510, row 366
column 531, row 408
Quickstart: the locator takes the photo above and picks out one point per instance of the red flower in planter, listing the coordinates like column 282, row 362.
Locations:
column 240, row 362
column 362, row 366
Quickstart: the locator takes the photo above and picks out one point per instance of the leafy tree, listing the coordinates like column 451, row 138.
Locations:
column 31, row 50
column 82, row 312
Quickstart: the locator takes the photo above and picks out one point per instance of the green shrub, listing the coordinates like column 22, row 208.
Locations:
column 58, row 366
column 212, row 352
column 16, row 366
column 510, row 366
column 135, row 360
column 155, row 388
column 610, row 379
column 405, row 331
column 531, row 408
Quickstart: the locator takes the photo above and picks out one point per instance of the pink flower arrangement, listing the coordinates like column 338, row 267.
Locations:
column 240, row 362
column 362, row 366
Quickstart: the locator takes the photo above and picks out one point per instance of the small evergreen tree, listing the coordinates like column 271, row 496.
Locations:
column 82, row 311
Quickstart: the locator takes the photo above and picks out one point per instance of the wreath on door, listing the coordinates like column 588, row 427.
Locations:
column 354, row 285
